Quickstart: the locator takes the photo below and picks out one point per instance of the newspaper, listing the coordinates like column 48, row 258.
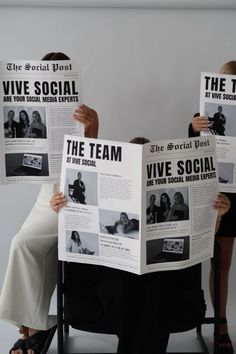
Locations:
column 38, row 99
column 139, row 208
column 218, row 104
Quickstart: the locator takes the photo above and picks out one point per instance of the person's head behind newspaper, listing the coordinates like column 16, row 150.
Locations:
column 139, row 140
column 228, row 68
column 55, row 56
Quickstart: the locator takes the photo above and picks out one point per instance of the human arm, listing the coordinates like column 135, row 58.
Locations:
column 69, row 245
column 128, row 227
column 186, row 212
column 57, row 201
column 43, row 131
column 89, row 118
column 198, row 124
column 222, row 206
column 170, row 216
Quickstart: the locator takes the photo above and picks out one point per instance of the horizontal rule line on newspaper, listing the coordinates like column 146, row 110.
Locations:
column 180, row 179
column 161, row 169
column 62, row 88
column 39, row 99
column 41, row 67
column 219, row 96
column 183, row 146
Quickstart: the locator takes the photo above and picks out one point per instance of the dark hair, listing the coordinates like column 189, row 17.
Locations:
column 21, row 120
column 11, row 110
column 162, row 204
column 55, row 56
column 228, row 68
column 73, row 237
column 153, row 195
column 124, row 214
column 139, row 140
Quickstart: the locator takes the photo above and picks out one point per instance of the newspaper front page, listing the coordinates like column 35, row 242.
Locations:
column 38, row 99
column 179, row 187
column 218, row 104
column 139, row 208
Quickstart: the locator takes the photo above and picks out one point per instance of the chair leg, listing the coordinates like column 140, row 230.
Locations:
column 60, row 335
column 217, row 259
column 66, row 329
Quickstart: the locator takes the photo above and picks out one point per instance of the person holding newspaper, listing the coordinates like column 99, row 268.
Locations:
column 226, row 233
column 142, row 313
column 31, row 274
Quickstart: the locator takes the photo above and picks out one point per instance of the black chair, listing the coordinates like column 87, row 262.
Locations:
column 71, row 192
column 100, row 322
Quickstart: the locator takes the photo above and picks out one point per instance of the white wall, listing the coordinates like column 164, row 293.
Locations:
column 141, row 66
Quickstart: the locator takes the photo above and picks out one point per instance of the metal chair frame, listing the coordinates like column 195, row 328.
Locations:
column 63, row 326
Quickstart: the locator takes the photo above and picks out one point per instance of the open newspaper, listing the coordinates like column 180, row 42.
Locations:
column 139, row 208
column 218, row 104
column 37, row 102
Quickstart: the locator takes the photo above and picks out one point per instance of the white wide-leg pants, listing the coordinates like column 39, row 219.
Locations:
column 32, row 268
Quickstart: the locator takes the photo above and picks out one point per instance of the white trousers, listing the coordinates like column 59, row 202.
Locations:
column 32, row 268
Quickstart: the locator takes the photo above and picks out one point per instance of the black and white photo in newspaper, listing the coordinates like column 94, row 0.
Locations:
column 179, row 187
column 37, row 102
column 218, row 104
column 101, row 181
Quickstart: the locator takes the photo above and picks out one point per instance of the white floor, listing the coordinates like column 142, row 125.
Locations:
column 83, row 342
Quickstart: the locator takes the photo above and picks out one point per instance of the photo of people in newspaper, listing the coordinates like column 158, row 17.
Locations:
column 26, row 164
column 24, row 122
column 167, row 205
column 122, row 224
column 221, row 119
column 82, row 243
column 172, row 249
column 81, row 187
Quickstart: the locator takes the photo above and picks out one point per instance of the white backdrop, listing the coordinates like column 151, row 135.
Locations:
column 140, row 59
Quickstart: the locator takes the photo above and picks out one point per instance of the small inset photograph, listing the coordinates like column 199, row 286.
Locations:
column 172, row 249
column 81, row 187
column 226, row 172
column 25, row 122
column 26, row 164
column 82, row 242
column 170, row 204
column 119, row 223
column 221, row 119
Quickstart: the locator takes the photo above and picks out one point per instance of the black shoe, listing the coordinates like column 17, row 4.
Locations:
column 40, row 341
column 225, row 344
column 19, row 345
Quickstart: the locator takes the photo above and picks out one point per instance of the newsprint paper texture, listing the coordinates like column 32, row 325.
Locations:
column 139, row 208
column 37, row 102
column 218, row 104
